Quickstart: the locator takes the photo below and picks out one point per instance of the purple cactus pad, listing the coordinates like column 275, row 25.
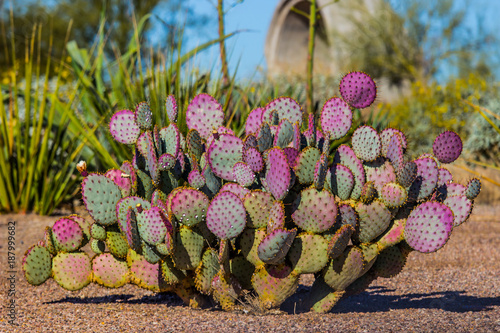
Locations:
column 253, row 158
column 226, row 215
column 336, row 118
column 204, row 114
column 254, row 121
column 277, row 173
column 171, row 108
column 286, row 107
column 223, row 155
column 123, row 127
column 358, row 89
column 447, row 147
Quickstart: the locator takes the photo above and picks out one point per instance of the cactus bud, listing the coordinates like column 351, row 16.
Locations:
column 82, row 168
column 139, row 208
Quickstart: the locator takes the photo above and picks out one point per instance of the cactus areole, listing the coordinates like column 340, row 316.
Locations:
column 214, row 214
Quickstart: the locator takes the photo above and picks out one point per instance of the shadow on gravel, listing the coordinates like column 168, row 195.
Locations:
column 162, row 298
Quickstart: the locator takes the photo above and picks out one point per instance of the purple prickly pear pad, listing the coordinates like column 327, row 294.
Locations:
column 447, row 147
column 226, row 215
column 123, row 127
column 358, row 89
column 278, row 173
column 336, row 118
column 204, row 114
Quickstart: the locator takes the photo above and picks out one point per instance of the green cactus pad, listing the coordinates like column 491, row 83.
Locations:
column 305, row 165
column 274, row 284
column 226, row 215
column 97, row 246
column 146, row 147
column 117, row 243
column 276, row 216
column 100, row 195
column 151, row 227
column 72, row 271
column 170, row 140
column 150, row 254
column 225, row 290
column 473, row 188
column 67, row 235
column 194, row 143
column 144, row 116
column 37, row 265
column 123, row 127
column 393, row 236
column 145, row 187
column 361, row 283
column 344, row 270
column 196, row 179
column 393, row 195
column 380, row 172
column 205, row 272
column 373, row 220
column 284, row 134
column 406, row 176
column 370, row 254
column 342, row 181
column 461, row 208
column 171, row 275
column 204, row 114
column 346, row 156
column 366, row 143
column 242, row 270
column 166, row 162
column 389, row 262
column 109, row 271
column 212, row 182
column 123, row 207
column 277, row 173
column 188, row 248
column 223, row 154
column 314, row 211
column 243, row 174
column 322, row 297
column 49, row 242
column 274, row 247
column 308, row 253
column 98, row 232
column 336, row 118
column 189, row 206
column 146, row 275
column 265, row 138
column 338, row 243
column 249, row 242
column 368, row 192
column 426, row 181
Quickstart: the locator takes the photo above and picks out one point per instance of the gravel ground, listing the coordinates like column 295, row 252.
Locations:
column 456, row 289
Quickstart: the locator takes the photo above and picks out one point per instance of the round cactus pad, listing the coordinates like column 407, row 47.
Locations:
column 145, row 274
column 117, row 243
column 366, row 143
column 447, row 147
column 274, row 284
column 253, row 158
column 37, row 265
column 254, row 121
column 151, row 226
column 188, row 248
column 284, row 134
column 342, row 181
column 346, row 156
column 379, row 172
column 406, row 176
column 393, row 195
column 109, row 271
column 286, row 108
column 347, row 215
column 189, row 206
column 223, row 154
column 336, row 118
column 98, row 232
column 314, row 211
column 445, row 177
column 358, row 89
column 144, row 116
column 72, row 271
column 258, row 204
column 196, row 179
column 427, row 178
column 306, row 163
column 123, row 127
column 461, row 208
column 473, row 188
column 429, row 226
column 226, row 215
column 395, row 152
column 373, row 220
column 67, row 235
column 277, row 173
column 243, row 174
column 386, row 136
column 274, row 247
column 237, row 189
column 171, row 108
column 204, row 114
column 308, row 253
column 100, row 195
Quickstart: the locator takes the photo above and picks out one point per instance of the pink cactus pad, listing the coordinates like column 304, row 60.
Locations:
column 253, row 158
column 286, row 107
column 243, row 174
column 314, row 211
column 385, row 138
column 291, row 156
column 123, row 127
column 151, row 226
column 393, row 195
column 395, row 152
column 445, row 177
column 461, row 208
column 196, row 179
column 277, row 173
column 123, row 182
column 226, row 215
column 237, row 189
column 254, row 121
column 109, row 271
column 72, row 271
column 427, row 179
column 67, row 235
column 358, row 89
column 171, row 108
column 366, row 143
column 189, row 206
column 223, row 154
column 447, row 147
column 204, row 114
column 336, row 118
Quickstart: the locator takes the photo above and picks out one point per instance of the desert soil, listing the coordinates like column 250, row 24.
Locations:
column 456, row 289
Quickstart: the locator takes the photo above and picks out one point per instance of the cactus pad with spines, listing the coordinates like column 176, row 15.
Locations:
column 346, row 156
column 386, row 136
column 109, row 271
column 72, row 271
column 274, row 284
column 205, row 272
column 374, row 219
column 151, row 227
column 338, row 243
column 461, row 207
column 37, row 265
column 393, row 195
column 123, row 127
column 366, row 143
column 308, row 253
column 473, row 189
column 447, row 147
column 336, row 118
column 358, row 89
column 276, row 216
column 223, row 154
column 407, row 174
column 286, row 108
column 253, row 158
column 189, row 206
column 257, row 204
column 284, row 134
column 143, row 115
column 188, row 248
column 426, row 181
column 98, row 232
column 277, row 173
column 314, row 211
column 226, row 216
column 344, row 270
column 237, row 189
column 254, row 121
column 171, row 108
column 274, row 247
column 67, row 235
column 145, row 274
column 204, row 114
column 243, row 174
column 305, row 165
column 100, row 195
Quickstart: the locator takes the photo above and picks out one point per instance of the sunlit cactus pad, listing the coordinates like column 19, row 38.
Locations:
column 203, row 212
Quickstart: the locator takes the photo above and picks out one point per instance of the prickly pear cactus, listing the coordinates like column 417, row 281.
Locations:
column 209, row 213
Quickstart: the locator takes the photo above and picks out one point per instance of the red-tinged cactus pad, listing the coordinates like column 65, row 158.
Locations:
column 284, row 134
column 123, row 127
column 189, row 206
column 253, row 158
column 274, row 247
column 373, row 220
column 447, row 147
column 236, row 189
column 37, row 265
column 286, row 108
column 72, row 271
column 205, row 272
column 386, row 136
column 166, row 162
column 196, row 179
column 274, row 284
column 226, row 215
column 366, row 143
column 305, row 165
column 98, row 232
column 171, row 108
column 109, row 271
column 292, row 155
column 204, row 114
column 426, row 181
column 406, row 176
column 121, row 180
column 445, row 177
column 84, row 224
column 188, row 248
column 223, row 154
column 151, row 226
column 395, row 152
column 117, row 243
column 100, row 195
column 342, row 181
column 314, row 211
column 461, row 208
column 194, row 143
column 170, row 274
column 358, row 89
column 67, row 235
column 276, row 217
column 338, row 243
column 346, row 156
column 393, row 236
column 429, row 226
column 308, row 253
column 336, row 118
column 243, row 174
column 242, row 270
column 254, row 121
column 473, row 189
column 393, row 195
column 249, row 242
column 390, row 262
column 258, row 204
column 265, row 138
column 144, row 274
column 344, row 270
column 144, row 116
column 380, row 172
column 277, row 173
